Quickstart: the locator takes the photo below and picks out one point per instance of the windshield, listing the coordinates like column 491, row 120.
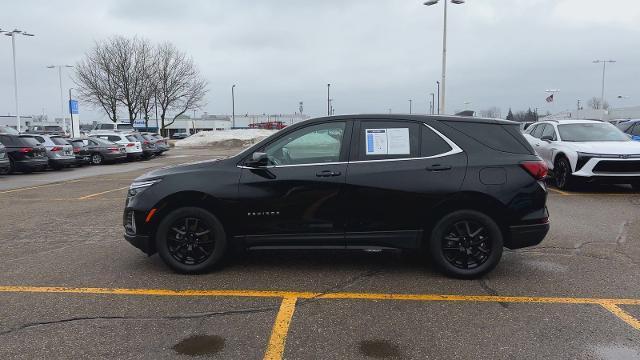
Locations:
column 591, row 132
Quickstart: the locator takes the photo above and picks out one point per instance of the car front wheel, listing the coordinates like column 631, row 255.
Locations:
column 96, row 159
column 562, row 173
column 466, row 244
column 191, row 240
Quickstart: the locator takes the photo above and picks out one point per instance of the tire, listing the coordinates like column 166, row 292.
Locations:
column 466, row 244
column 199, row 252
column 12, row 166
column 97, row 159
column 562, row 174
column 636, row 186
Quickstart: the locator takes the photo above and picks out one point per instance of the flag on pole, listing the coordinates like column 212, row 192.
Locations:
column 550, row 98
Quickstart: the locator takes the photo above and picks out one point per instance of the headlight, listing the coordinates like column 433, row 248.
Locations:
column 138, row 186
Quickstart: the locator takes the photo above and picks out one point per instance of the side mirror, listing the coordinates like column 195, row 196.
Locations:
column 258, row 159
column 547, row 138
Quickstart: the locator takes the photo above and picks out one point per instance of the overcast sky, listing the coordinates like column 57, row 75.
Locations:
column 377, row 54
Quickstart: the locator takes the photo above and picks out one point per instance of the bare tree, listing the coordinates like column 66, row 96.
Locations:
column 493, row 112
column 180, row 87
column 597, row 104
column 96, row 80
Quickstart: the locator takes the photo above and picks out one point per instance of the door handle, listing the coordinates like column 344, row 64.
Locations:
column 328, row 173
column 438, row 167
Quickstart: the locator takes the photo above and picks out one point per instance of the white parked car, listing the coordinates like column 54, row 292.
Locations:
column 591, row 151
column 132, row 146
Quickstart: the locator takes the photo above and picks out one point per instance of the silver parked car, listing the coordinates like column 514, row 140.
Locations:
column 59, row 151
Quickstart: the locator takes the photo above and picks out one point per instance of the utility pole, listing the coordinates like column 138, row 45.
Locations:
column 233, row 107
column 410, row 106
column 432, row 103
column 328, row 99
column 71, row 114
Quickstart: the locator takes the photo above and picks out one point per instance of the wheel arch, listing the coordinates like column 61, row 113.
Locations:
column 182, row 199
column 469, row 201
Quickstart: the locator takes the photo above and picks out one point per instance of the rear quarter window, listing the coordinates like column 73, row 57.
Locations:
column 432, row 144
column 501, row 137
column 59, row 141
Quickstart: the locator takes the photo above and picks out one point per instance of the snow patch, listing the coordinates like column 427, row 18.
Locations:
column 225, row 138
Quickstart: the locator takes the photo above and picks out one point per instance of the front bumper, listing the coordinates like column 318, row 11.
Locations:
column 142, row 242
column 521, row 236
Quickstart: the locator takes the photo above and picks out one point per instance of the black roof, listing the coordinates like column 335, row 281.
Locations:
column 420, row 118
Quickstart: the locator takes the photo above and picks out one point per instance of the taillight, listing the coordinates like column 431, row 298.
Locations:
column 131, row 144
column 26, row 150
column 146, row 142
column 76, row 149
column 537, row 169
column 56, row 148
column 113, row 149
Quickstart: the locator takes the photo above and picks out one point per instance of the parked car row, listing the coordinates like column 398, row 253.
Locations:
column 29, row 152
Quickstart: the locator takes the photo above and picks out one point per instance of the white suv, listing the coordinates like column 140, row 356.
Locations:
column 587, row 150
column 132, row 146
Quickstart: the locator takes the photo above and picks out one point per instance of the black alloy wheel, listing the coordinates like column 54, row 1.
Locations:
column 466, row 244
column 191, row 240
column 562, row 172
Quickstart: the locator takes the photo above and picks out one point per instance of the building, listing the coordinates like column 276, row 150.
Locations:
column 632, row 112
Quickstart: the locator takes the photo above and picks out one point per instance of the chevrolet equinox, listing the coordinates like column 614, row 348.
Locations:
column 460, row 188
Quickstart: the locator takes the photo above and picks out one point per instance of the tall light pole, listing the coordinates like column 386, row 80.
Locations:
column 13, row 34
column 62, row 112
column 444, row 49
column 410, row 106
column 438, row 82
column 604, row 72
column 328, row 99
column 432, row 105
column 233, row 106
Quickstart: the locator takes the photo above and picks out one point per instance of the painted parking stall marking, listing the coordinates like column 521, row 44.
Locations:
column 277, row 340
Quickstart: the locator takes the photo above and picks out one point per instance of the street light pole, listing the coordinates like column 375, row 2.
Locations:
column 433, row 103
column 410, row 106
column 71, row 114
column 438, row 82
column 13, row 34
column 62, row 112
column 233, row 106
column 328, row 99
column 604, row 71
column 442, row 108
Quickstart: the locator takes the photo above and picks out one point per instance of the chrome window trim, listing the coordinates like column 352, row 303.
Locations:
column 455, row 149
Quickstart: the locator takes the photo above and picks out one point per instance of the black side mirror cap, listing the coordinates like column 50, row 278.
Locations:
column 258, row 159
column 547, row 138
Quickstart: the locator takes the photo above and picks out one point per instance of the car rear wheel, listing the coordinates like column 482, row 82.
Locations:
column 97, row 159
column 191, row 240
column 562, row 174
column 466, row 244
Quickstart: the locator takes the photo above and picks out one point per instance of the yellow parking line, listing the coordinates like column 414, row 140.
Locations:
column 309, row 295
column 623, row 315
column 275, row 348
column 101, row 193
column 37, row 187
column 558, row 191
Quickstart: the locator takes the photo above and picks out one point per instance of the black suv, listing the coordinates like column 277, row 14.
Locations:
column 461, row 188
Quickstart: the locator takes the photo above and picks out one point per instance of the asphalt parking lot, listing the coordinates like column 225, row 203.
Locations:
column 70, row 286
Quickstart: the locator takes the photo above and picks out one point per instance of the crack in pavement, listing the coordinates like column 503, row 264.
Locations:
column 135, row 318
column 484, row 284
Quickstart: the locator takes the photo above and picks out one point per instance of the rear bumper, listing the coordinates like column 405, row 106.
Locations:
column 114, row 156
column 521, row 236
column 613, row 179
column 63, row 161
column 31, row 164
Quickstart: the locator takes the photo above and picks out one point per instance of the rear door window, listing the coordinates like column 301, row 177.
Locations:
column 382, row 140
column 59, row 141
column 28, row 141
column 537, row 132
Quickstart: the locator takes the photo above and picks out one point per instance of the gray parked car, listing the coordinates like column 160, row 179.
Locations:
column 157, row 140
column 102, row 150
column 4, row 160
column 59, row 151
